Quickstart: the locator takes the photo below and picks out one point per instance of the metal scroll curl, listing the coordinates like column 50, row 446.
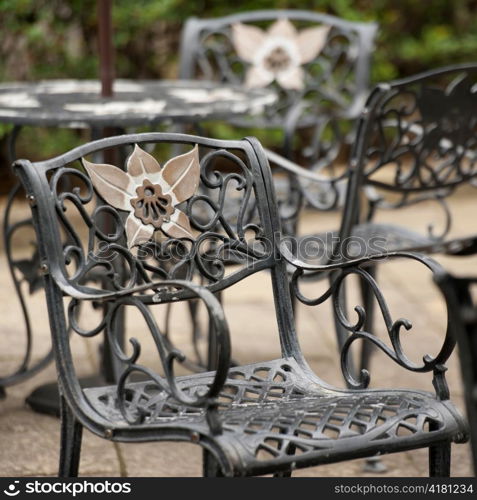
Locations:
column 420, row 143
column 357, row 331
column 131, row 408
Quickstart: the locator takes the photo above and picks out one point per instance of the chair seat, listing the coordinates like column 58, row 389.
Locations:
column 274, row 417
column 317, row 248
column 397, row 237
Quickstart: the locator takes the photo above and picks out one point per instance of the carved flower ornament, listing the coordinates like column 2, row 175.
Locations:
column 149, row 193
column 278, row 53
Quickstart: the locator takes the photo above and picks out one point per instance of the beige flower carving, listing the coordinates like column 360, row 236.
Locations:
column 278, row 53
column 149, row 193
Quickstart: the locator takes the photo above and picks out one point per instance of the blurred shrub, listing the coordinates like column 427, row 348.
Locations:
column 58, row 38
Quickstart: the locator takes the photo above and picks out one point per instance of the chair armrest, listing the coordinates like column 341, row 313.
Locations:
column 321, row 191
column 359, row 329
column 80, row 292
column 165, row 291
column 293, row 168
column 301, row 265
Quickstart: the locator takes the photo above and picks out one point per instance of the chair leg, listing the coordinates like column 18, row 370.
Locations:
column 210, row 466
column 440, row 460
column 294, row 300
column 196, row 330
column 71, row 433
column 372, row 464
column 369, row 305
column 284, row 473
column 341, row 332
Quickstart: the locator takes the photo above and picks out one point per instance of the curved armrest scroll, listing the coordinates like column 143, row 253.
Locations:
column 165, row 291
column 358, row 330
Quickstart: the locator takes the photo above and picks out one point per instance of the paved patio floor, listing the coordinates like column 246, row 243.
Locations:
column 29, row 441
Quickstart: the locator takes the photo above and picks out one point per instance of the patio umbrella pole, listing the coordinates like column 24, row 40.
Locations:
column 106, row 54
column 109, row 367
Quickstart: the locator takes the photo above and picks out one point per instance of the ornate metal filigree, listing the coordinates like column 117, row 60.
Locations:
column 191, row 236
column 199, row 236
column 418, row 141
column 131, row 365
column 357, row 329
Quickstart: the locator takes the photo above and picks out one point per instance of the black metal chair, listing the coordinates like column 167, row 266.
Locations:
column 316, row 114
column 460, row 295
column 319, row 66
column 305, row 56
column 120, row 240
column 415, row 144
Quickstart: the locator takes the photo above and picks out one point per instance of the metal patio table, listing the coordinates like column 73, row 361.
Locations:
column 79, row 104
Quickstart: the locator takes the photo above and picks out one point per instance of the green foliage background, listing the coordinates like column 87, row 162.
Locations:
column 57, row 38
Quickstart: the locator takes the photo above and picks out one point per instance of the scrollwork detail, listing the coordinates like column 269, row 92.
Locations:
column 357, row 328
column 228, row 230
column 168, row 355
column 420, row 145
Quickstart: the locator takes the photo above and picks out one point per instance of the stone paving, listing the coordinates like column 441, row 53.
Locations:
column 29, row 441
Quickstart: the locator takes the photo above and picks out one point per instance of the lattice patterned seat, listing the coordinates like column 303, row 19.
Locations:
column 271, row 419
column 373, row 238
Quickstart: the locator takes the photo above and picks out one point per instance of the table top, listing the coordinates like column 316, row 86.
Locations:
column 78, row 103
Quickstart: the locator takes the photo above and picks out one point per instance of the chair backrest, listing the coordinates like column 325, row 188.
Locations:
column 104, row 231
column 303, row 55
column 164, row 216
column 417, row 142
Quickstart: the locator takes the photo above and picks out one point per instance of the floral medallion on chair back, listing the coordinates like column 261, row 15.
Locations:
column 149, row 193
column 278, row 53
column 299, row 57
column 146, row 219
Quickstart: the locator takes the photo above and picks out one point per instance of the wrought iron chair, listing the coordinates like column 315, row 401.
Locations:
column 460, row 295
column 415, row 144
column 319, row 66
column 305, row 56
column 268, row 417
column 416, row 140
